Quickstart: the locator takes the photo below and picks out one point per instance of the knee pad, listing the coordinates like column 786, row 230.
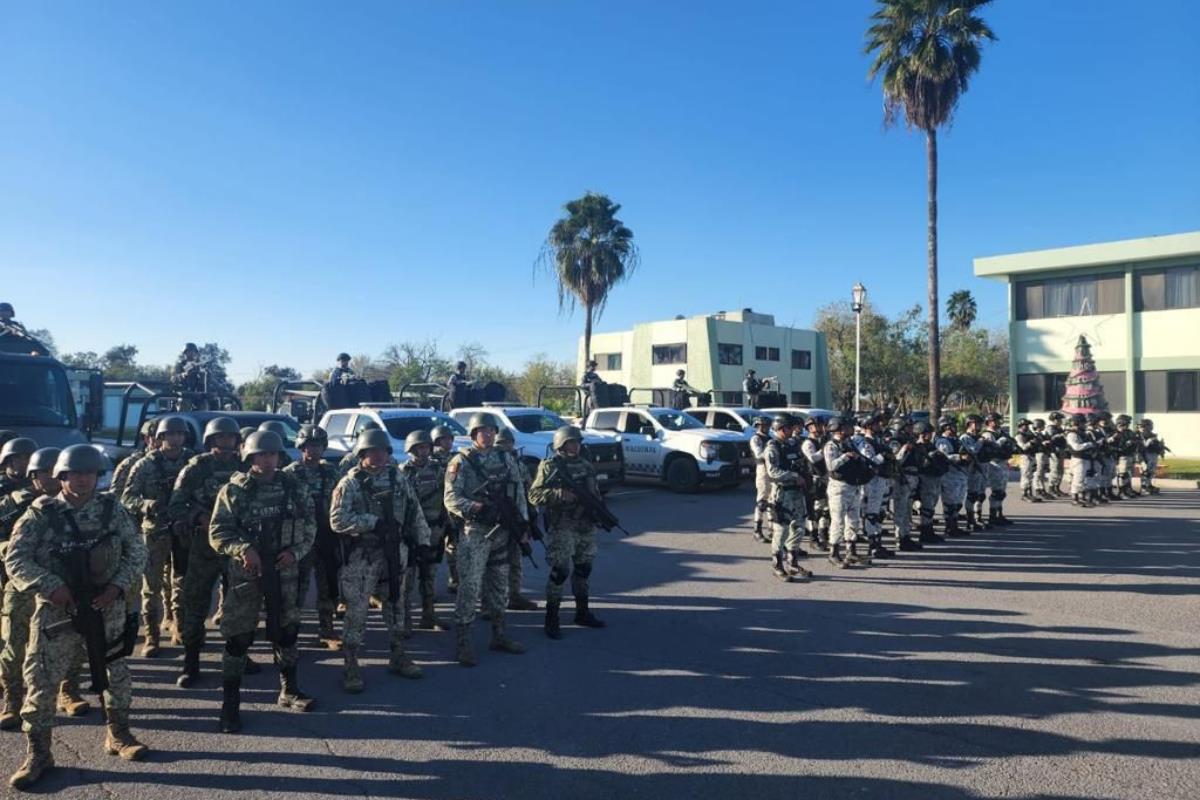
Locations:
column 559, row 575
column 239, row 643
column 583, row 570
column 761, row 505
column 288, row 635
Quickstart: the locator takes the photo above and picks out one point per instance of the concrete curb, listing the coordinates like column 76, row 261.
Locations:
column 1175, row 483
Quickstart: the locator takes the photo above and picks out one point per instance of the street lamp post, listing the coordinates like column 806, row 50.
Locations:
column 857, row 295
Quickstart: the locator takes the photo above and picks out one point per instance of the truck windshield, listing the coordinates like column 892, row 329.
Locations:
column 401, row 427
column 34, row 392
column 536, row 423
column 677, row 420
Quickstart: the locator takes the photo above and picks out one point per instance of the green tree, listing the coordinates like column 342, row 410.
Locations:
column 256, row 394
column 893, row 351
column 974, row 369
column 590, row 251
column 119, row 363
column 961, row 309
column 541, row 371
column 414, row 362
column 926, row 52
column 83, row 360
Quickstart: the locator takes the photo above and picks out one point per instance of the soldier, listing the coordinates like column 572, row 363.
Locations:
column 263, row 523
column 813, row 448
column 427, row 475
column 6, row 436
column 758, row 448
column 1058, row 452
column 377, row 512
column 570, row 529
column 787, row 470
column 868, row 442
column 1082, row 447
column 342, row 373
column 277, row 427
column 190, row 510
column 956, row 480
column 907, row 459
column 505, row 442
column 443, row 451
column 1029, row 446
column 994, row 459
column 752, row 387
column 1041, row 462
column 78, row 546
column 1152, row 448
column 350, row 460
column 1094, row 483
column 681, row 392
column 14, row 464
column 319, row 477
column 120, row 477
column 146, row 496
column 931, row 466
column 1107, row 452
column 970, row 443
column 479, row 480
column 1127, row 448
column 590, row 382
column 844, row 482
column 457, row 385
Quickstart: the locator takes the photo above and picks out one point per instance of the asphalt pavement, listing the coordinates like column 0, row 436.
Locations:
column 1057, row 658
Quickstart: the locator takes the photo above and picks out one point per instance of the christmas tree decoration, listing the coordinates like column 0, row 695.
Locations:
column 1084, row 393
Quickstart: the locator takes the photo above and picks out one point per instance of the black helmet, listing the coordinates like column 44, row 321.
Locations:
column 275, row 426
column 172, row 423
column 461, row 365
column 245, row 432
column 784, row 420
column 834, row 424
column 1093, row 417
column 751, row 372
column 369, row 425
column 760, row 419
column 1146, row 422
column 1039, row 423
column 43, row 460
column 592, row 363
column 343, row 357
column 993, row 417
column 1056, row 416
column 20, row 446
column 921, row 427
column 945, row 422
column 440, row 432
column 311, row 434
column 564, row 434
column 898, row 424
column 505, row 436
column 1022, row 423
column 218, row 426
column 416, row 438
column 481, row 420
column 262, row 442
column 371, row 439
column 7, row 307
column 814, row 421
column 190, row 346
column 80, row 458
column 974, row 418
column 1124, row 419
column 680, row 372
column 1079, row 419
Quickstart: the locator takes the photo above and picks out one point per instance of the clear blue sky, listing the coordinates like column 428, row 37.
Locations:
column 293, row 179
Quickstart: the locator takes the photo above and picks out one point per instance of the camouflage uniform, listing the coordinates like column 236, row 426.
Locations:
column 116, row 555
column 319, row 479
column 452, row 525
column 120, row 476
column 146, row 496
column 428, row 481
column 516, row 568
column 570, row 531
column 762, row 485
column 787, row 471
column 17, row 609
column 361, row 501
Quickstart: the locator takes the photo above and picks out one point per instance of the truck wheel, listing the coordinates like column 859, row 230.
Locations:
column 683, row 475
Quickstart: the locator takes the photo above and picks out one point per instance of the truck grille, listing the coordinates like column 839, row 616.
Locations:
column 603, row 453
column 728, row 452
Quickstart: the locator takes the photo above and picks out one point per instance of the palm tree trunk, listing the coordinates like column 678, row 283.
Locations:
column 935, row 354
column 587, row 333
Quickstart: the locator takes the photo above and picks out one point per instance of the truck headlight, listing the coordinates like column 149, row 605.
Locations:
column 709, row 451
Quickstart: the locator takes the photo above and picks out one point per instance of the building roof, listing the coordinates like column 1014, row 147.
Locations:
column 1151, row 248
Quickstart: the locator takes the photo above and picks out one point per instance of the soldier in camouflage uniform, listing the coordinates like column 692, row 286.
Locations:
column 319, row 477
column 378, row 513
column 120, row 477
column 788, row 472
column 18, row 606
column 281, row 430
column 570, row 529
column 350, row 460
column 758, row 448
column 506, row 443
column 428, row 479
column 190, row 511
column 49, row 542
column 146, row 496
column 476, row 479
column 14, row 464
column 261, row 513
column 443, row 451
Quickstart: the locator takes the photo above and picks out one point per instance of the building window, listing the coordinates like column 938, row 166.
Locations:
column 1178, row 287
column 729, row 354
column 766, row 353
column 1159, row 390
column 1113, row 384
column 802, row 399
column 1040, row 391
column 668, row 354
column 608, row 362
column 1071, row 297
column 801, row 359
column 1182, row 392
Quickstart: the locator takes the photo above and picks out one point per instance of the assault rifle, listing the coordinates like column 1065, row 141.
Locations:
column 388, row 529
column 595, row 507
column 87, row 621
column 272, row 591
column 508, row 516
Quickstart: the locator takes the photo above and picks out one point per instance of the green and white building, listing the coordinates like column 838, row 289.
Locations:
column 1138, row 303
column 716, row 350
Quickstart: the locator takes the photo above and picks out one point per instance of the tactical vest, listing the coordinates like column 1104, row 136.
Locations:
column 75, row 540
column 854, row 471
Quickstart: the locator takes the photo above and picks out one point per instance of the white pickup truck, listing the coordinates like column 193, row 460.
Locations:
column 344, row 424
column 533, row 431
column 674, row 447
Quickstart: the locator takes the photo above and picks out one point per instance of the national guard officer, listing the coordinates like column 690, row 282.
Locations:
column 319, row 477
column 932, row 465
column 378, row 514
column 752, row 387
column 1126, row 446
column 1041, row 462
column 1081, row 446
column 350, row 460
column 277, row 427
column 907, row 459
column 427, row 477
column 1058, row 452
column 956, row 479
column 479, row 481
column 787, row 470
column 1029, row 446
column 80, row 553
column 847, row 474
column 999, row 449
column 970, row 443
column 342, row 373
column 505, row 443
column 813, row 448
column 570, row 529
column 263, row 523
column 682, row 392
column 868, row 442
column 758, row 448
column 1152, row 449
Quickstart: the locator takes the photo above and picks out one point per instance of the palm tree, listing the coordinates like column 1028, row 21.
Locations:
column 926, row 51
column 961, row 309
column 590, row 252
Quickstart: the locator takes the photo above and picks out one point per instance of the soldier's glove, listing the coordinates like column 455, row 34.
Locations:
column 426, row 555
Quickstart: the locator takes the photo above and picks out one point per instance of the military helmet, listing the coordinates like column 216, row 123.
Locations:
column 898, row 423
column 371, row 439
column 945, row 422
column 1093, row 417
column 1056, row 416
column 760, row 419
column 415, row 438
column 784, row 420
column 20, row 446
column 993, row 417
column 481, row 420
column 1124, row 419
column 7, row 307
column 369, row 425
column 1079, row 419
column 564, row 434
column 172, row 423
column 461, row 365
column 43, row 460
column 592, row 363
column 149, row 428
column 1022, row 423
column 921, row 427
column 833, row 424
column 1146, row 422
column 975, row 418
column 190, row 346
column 246, row 431
column 275, row 426
column 680, row 373
column 310, row 434
column 505, row 436
column 262, row 442
column 343, row 357
column 7, row 436
column 1104, row 413
column 814, row 421
column 440, row 432
column 220, row 426
column 1039, row 423
column 80, row 458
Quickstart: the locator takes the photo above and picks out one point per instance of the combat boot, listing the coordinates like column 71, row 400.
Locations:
column 10, row 715
column 400, row 664
column 290, row 696
column 465, row 653
column 352, row 680
column 758, row 532
column 177, row 632
column 429, row 620
column 191, row 668
column 551, row 625
column 120, row 741
column 928, row 536
column 779, row 569
column 793, row 564
column 878, row 550
column 500, row 640
column 231, row 706
column 37, row 761
column 854, row 558
column 326, row 635
column 518, row 602
column 908, row 545
column 952, row 528
column 70, row 701
column 836, row 556
column 584, row 615
column 150, row 645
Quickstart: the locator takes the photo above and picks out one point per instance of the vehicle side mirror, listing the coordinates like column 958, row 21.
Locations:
column 647, row 430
